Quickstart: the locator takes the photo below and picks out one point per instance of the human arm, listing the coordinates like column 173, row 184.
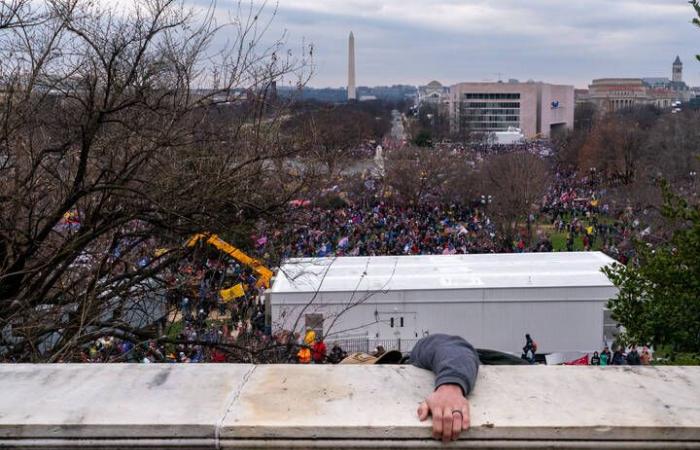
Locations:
column 455, row 364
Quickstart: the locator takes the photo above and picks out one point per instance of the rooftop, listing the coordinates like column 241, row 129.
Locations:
column 617, row 81
column 430, row 272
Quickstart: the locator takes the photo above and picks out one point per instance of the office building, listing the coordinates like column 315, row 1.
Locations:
column 538, row 109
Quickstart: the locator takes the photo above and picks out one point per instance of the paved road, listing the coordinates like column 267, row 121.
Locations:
column 398, row 132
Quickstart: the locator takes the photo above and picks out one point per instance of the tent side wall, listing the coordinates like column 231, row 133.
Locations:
column 560, row 319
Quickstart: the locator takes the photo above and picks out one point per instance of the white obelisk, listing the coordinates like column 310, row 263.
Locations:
column 352, row 91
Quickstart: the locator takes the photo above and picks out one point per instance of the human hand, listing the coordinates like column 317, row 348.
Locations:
column 450, row 411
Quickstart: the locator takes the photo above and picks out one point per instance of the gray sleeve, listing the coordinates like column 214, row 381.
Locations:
column 452, row 359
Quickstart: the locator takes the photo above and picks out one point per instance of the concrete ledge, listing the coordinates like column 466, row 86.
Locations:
column 150, row 444
column 297, row 406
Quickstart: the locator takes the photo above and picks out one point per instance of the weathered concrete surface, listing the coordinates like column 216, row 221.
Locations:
column 517, row 402
column 245, row 406
column 116, row 400
column 325, row 401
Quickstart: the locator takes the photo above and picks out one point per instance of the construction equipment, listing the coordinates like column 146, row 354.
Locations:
column 264, row 274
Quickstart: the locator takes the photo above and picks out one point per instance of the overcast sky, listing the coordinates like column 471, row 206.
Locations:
column 559, row 41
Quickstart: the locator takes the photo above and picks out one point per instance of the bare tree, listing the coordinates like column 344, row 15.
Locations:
column 124, row 130
column 671, row 149
column 15, row 13
column 333, row 133
column 417, row 174
column 614, row 148
column 517, row 182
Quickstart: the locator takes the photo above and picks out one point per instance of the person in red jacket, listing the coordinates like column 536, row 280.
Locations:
column 319, row 351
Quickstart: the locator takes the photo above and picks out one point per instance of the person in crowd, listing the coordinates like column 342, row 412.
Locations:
column 304, row 355
column 337, row 354
column 595, row 359
column 645, row 357
column 619, row 357
column 529, row 350
column 309, row 337
column 605, row 357
column 586, row 243
column 319, row 351
column 633, row 357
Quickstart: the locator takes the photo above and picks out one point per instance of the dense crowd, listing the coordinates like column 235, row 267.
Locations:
column 195, row 317
column 572, row 207
column 212, row 328
column 537, row 147
column 386, row 230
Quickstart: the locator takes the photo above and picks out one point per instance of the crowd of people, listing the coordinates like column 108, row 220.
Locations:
column 214, row 328
column 313, row 350
column 538, row 147
column 572, row 206
column 576, row 205
column 620, row 357
column 192, row 316
column 386, row 230
column 633, row 357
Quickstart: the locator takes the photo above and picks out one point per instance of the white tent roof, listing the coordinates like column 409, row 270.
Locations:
column 430, row 272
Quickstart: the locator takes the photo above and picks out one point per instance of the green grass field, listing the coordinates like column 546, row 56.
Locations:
column 559, row 242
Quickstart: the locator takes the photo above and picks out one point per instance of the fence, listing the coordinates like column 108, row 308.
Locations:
column 367, row 344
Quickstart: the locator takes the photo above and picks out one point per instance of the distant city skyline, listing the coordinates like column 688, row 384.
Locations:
column 416, row 41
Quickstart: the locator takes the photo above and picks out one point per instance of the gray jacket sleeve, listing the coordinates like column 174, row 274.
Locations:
column 452, row 359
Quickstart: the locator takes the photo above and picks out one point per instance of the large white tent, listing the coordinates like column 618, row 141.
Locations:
column 492, row 300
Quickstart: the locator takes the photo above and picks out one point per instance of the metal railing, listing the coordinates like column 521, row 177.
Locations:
column 368, row 345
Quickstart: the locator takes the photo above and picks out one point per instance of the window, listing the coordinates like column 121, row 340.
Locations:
column 315, row 322
column 474, row 111
column 492, row 104
column 391, row 322
column 492, row 96
column 401, row 322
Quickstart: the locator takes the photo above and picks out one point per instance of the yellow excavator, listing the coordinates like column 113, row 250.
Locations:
column 264, row 274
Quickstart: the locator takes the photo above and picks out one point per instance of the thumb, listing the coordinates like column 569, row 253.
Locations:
column 423, row 411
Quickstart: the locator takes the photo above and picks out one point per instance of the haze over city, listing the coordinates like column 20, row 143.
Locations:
column 415, row 41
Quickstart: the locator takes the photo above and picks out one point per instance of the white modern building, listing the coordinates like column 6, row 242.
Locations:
column 538, row 109
column 491, row 300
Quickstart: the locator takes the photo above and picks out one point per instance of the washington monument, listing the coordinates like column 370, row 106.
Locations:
column 352, row 93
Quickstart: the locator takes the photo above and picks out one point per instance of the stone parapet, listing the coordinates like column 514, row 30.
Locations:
column 296, row 406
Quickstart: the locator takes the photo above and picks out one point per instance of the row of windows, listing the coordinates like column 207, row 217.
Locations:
column 492, row 127
column 491, row 105
column 502, row 112
column 493, row 119
column 491, row 96
column 620, row 93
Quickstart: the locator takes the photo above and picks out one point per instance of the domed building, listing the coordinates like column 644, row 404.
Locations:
column 433, row 93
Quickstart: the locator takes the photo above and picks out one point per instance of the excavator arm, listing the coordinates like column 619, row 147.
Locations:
column 264, row 274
